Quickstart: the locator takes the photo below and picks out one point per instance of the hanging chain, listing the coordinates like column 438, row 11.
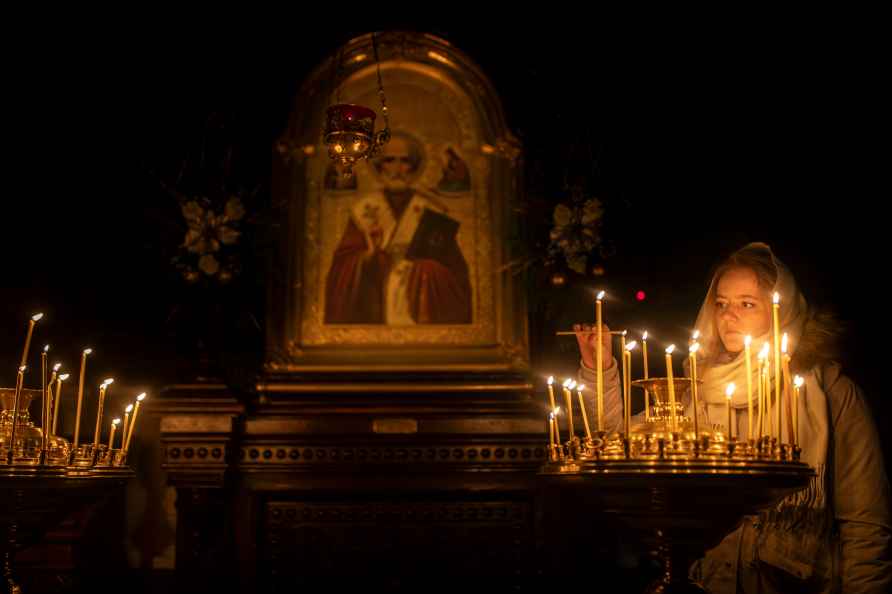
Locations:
column 380, row 84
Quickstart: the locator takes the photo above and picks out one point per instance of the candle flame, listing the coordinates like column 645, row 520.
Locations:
column 141, row 397
column 37, row 317
column 23, row 368
column 763, row 354
column 670, row 349
column 108, row 381
column 88, row 351
column 644, row 336
column 116, row 422
column 567, row 382
column 695, row 335
column 784, row 343
column 550, row 379
column 551, row 416
column 695, row 347
column 580, row 387
column 57, row 366
column 572, row 384
column 798, row 381
column 747, row 340
column 46, row 348
column 631, row 345
column 129, row 408
column 601, row 295
column 63, row 377
column 730, row 390
column 776, row 298
column 556, row 411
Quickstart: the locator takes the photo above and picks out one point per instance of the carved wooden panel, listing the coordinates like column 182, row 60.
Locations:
column 395, row 545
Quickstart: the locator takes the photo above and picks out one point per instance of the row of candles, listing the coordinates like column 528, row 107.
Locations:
column 50, row 401
column 763, row 423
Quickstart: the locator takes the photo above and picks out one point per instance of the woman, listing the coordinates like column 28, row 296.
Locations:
column 836, row 533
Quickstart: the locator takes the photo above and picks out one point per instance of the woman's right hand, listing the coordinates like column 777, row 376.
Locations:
column 587, row 337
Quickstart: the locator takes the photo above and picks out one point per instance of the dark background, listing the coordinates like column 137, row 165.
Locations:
column 697, row 141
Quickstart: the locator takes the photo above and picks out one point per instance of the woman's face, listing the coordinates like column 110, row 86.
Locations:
column 741, row 308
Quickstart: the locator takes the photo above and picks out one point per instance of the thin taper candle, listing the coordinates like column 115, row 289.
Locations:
column 599, row 362
column 646, row 376
column 126, row 426
column 44, row 400
column 139, row 400
column 627, row 387
column 729, row 391
column 622, row 349
column 797, row 386
column 747, row 341
column 19, row 381
column 568, row 399
column 80, row 400
column 31, row 323
column 579, row 389
column 103, row 388
column 777, row 367
column 695, row 401
column 551, row 391
column 59, row 381
column 672, row 419
column 111, row 434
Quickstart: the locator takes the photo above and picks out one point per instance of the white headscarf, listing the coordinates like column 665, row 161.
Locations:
column 717, row 367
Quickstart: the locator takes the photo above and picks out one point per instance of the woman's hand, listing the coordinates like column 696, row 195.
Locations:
column 587, row 337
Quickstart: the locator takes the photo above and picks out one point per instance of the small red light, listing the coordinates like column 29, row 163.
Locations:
column 640, row 295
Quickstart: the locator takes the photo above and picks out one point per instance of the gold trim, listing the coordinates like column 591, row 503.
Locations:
column 353, row 387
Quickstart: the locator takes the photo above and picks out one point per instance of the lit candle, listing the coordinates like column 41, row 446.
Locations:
column 19, row 380
column 785, row 362
column 111, row 434
column 59, row 381
column 764, row 392
column 551, row 429
column 797, row 385
column 694, row 336
column 568, row 399
column 579, row 389
column 557, row 429
column 646, row 376
column 125, row 426
column 551, row 391
column 694, row 394
column 80, row 399
column 777, row 366
column 44, row 399
column 51, row 399
column 627, row 387
column 729, row 391
column 139, row 400
column 672, row 424
column 31, row 323
column 599, row 360
column 103, row 387
column 622, row 350
column 747, row 341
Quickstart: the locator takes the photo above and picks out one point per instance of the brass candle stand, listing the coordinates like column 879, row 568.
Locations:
column 41, row 486
column 679, row 491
